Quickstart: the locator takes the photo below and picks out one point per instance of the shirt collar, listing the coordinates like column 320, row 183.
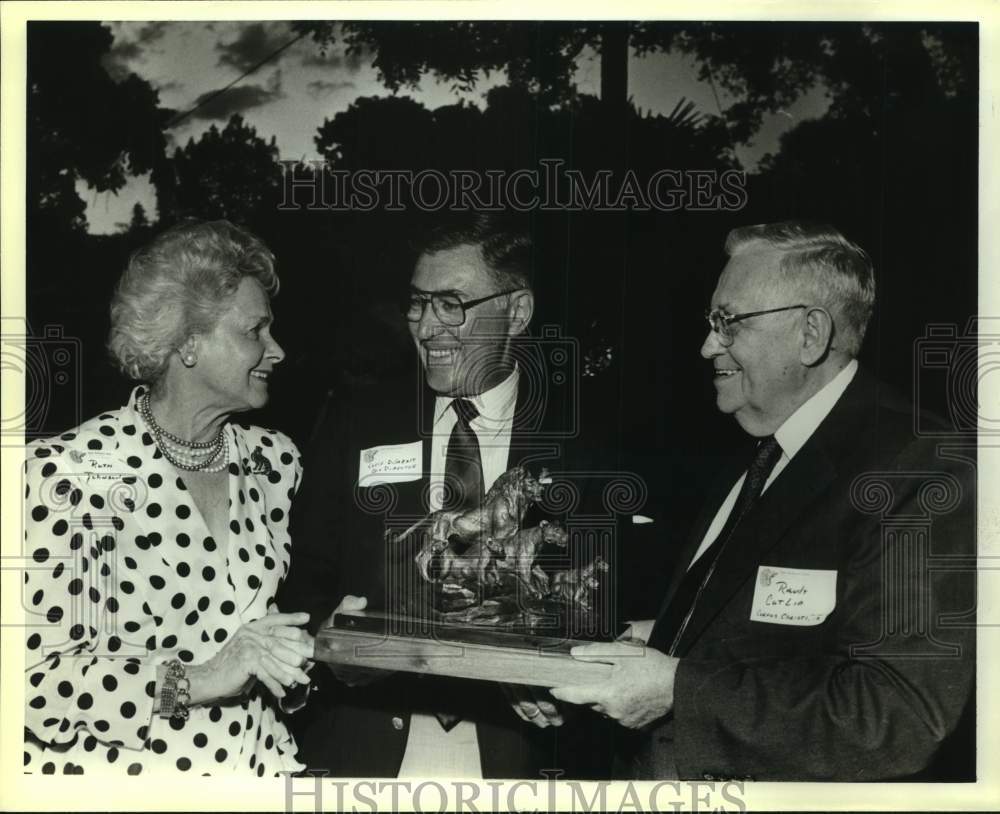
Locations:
column 495, row 406
column 800, row 425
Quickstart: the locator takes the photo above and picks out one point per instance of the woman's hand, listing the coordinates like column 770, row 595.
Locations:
column 296, row 634
column 272, row 650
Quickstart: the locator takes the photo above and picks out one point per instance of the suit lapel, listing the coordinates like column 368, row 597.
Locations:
column 807, row 477
column 412, row 421
column 531, row 441
column 411, row 497
column 721, row 487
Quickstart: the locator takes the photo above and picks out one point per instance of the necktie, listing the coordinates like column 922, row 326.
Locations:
column 463, row 475
column 669, row 627
column 463, row 467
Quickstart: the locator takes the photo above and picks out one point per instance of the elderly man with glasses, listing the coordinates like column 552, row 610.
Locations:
column 482, row 403
column 820, row 625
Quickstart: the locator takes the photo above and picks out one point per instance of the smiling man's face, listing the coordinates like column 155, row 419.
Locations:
column 759, row 378
column 467, row 359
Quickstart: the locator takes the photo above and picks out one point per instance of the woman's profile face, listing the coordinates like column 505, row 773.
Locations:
column 236, row 359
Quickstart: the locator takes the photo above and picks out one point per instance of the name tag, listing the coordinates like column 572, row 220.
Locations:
column 391, row 463
column 99, row 465
column 793, row 596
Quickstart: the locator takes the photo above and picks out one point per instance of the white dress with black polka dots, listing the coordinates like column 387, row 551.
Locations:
column 123, row 575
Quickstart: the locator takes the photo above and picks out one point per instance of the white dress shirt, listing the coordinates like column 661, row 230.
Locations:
column 430, row 751
column 492, row 427
column 791, row 436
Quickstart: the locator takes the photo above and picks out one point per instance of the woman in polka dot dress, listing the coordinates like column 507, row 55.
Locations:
column 159, row 535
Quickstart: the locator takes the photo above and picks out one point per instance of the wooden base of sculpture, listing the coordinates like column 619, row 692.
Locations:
column 374, row 640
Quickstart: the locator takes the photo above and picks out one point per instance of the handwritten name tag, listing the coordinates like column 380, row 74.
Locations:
column 99, row 465
column 391, row 463
column 793, row 596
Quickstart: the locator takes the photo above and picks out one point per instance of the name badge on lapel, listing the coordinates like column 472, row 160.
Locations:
column 793, row 596
column 391, row 463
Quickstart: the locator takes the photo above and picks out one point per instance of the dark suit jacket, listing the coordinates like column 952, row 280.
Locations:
column 874, row 690
column 338, row 548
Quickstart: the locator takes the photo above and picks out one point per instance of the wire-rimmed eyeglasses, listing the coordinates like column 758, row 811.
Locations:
column 719, row 321
column 449, row 308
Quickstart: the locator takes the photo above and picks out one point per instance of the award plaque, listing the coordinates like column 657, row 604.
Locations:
column 477, row 595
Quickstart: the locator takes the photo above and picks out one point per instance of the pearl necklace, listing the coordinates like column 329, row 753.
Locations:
column 192, row 456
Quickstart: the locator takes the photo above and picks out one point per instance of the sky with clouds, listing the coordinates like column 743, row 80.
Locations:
column 292, row 92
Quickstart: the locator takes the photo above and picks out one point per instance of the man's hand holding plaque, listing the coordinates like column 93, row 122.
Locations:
column 350, row 675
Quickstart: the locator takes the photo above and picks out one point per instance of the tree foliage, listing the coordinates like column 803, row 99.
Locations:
column 538, row 56
column 230, row 173
column 81, row 124
column 760, row 67
column 892, row 161
column 138, row 228
column 514, row 130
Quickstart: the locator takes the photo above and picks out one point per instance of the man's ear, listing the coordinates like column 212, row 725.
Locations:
column 817, row 336
column 520, row 311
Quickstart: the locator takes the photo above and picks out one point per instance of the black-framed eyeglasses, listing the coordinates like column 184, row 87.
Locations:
column 448, row 308
column 719, row 321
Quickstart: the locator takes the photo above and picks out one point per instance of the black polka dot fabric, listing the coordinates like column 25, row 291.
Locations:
column 123, row 576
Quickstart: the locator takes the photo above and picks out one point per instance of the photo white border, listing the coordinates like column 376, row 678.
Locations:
column 49, row 792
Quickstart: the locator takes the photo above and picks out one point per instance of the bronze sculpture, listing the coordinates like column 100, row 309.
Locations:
column 485, row 569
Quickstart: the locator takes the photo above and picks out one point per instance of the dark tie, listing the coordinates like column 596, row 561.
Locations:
column 463, row 467
column 463, row 475
column 672, row 621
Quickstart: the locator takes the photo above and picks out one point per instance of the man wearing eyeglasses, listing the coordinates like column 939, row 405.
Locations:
column 470, row 297
column 821, row 623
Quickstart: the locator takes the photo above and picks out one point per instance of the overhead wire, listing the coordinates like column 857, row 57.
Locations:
column 181, row 116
